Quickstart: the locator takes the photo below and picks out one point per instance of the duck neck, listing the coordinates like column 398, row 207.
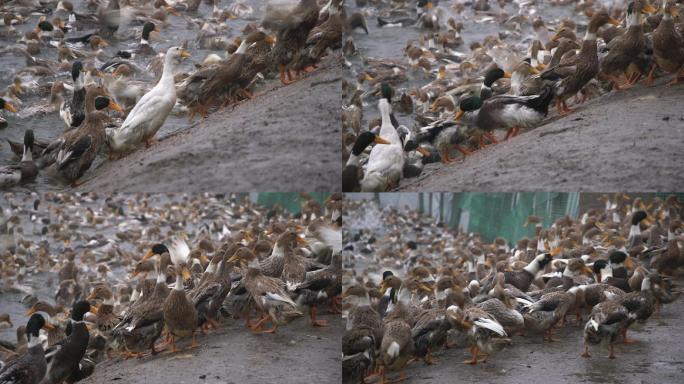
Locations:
column 169, row 69
column 33, row 340
column 385, row 111
column 179, row 282
column 28, row 155
column 533, row 267
column 606, row 272
column 353, row 159
column 634, row 20
column 634, row 231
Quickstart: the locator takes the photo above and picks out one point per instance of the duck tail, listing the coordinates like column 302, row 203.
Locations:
column 382, row 22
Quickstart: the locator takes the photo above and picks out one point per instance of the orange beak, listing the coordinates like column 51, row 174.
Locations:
column 148, row 255
column 381, row 140
column 614, row 21
column 423, row 151
column 459, row 114
column 10, row 107
column 115, row 106
column 49, row 326
column 301, row 241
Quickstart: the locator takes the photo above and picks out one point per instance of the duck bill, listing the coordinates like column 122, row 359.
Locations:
column 648, row 8
column 49, row 326
column 459, row 115
column 555, row 251
column 10, row 107
column 534, row 70
column 115, row 106
column 423, row 151
column 147, row 256
column 368, row 77
column 186, row 273
column 301, row 241
column 425, row 288
column 269, row 40
column 94, row 309
column 629, row 264
column 614, row 21
column 184, row 54
column 507, row 75
column 233, row 258
column 381, row 140
column 31, row 311
column 383, row 288
column 586, row 270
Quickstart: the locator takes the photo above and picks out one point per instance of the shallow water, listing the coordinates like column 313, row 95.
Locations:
column 49, row 127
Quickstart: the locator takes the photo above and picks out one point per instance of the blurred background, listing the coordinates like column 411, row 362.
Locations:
column 497, row 214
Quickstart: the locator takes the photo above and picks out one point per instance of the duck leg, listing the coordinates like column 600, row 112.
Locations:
column 651, row 75
column 194, row 344
column 676, row 80
column 473, row 361
column 174, row 349
column 315, row 322
column 565, row 110
column 429, row 359
column 274, row 327
column 585, row 354
column 446, row 159
column 611, row 350
column 335, row 306
column 491, row 137
column 512, row 132
column 463, row 151
column 282, row 75
column 256, row 327
column 625, row 339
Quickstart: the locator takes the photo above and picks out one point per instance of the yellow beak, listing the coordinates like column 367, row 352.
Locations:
column 380, row 140
column 148, row 255
column 459, row 114
column 10, row 107
column 184, row 54
column 186, row 273
column 507, row 75
column 648, row 8
column 115, row 106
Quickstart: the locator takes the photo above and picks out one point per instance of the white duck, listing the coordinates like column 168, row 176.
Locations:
column 151, row 111
column 386, row 162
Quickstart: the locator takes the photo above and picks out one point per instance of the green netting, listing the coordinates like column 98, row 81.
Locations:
column 291, row 201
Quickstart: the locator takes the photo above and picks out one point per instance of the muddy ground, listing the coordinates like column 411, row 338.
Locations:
column 625, row 141
column 297, row 353
column 655, row 358
column 285, row 139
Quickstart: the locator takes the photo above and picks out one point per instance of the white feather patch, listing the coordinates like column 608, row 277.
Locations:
column 394, row 349
column 492, row 325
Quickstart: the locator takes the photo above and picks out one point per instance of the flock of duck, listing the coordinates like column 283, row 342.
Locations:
column 414, row 286
column 505, row 82
column 137, row 274
column 291, row 39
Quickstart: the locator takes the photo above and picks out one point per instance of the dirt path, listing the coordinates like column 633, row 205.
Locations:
column 285, row 139
column 655, row 358
column 297, row 353
column 626, row 141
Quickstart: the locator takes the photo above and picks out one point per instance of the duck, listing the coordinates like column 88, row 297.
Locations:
column 624, row 50
column 144, row 48
column 569, row 79
column 65, row 360
column 26, row 170
column 386, row 162
column 73, row 111
column 268, row 293
column 142, row 323
column 292, row 30
column 505, row 111
column 323, row 36
column 319, row 286
column 640, row 306
column 30, row 367
column 351, row 173
column 606, row 321
column 396, row 346
column 523, row 279
column 180, row 315
column 209, row 294
column 78, row 149
column 430, row 333
column 550, row 309
column 150, row 112
column 668, row 46
column 484, row 333
column 443, row 135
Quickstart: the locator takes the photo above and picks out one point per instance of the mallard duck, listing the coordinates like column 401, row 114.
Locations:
column 523, row 279
column 26, row 170
column 65, row 360
column 668, row 45
column 386, row 162
column 180, row 315
column 30, row 367
column 73, row 111
column 151, row 111
column 396, row 347
column 292, row 30
column 430, row 333
column 640, row 305
column 504, row 111
column 210, row 293
column 351, row 173
column 142, row 323
column 484, row 333
column 606, row 321
column 109, row 16
column 550, row 309
column 569, row 79
column 318, row 286
column 78, row 149
column 268, row 294
column 624, row 50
